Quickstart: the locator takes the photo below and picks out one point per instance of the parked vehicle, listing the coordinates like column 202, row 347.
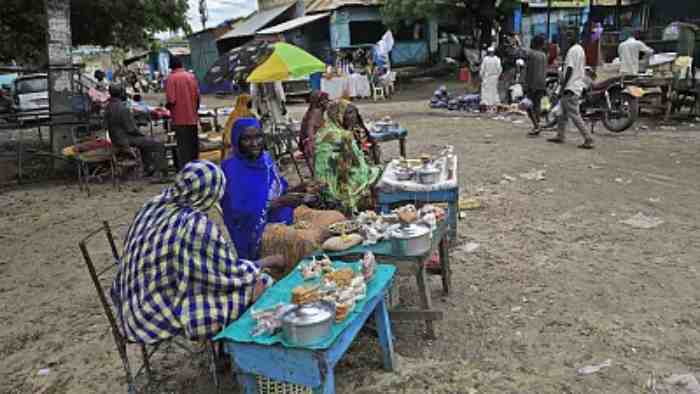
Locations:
column 614, row 102
column 31, row 98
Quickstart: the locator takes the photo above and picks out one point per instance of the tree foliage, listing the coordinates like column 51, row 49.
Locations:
column 120, row 23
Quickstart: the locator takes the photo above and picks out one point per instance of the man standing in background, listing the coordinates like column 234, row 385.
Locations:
column 535, row 80
column 629, row 54
column 182, row 99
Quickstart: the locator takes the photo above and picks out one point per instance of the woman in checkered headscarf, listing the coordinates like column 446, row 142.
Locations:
column 178, row 274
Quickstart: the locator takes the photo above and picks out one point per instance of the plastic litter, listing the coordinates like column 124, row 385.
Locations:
column 44, row 372
column 642, row 221
column 591, row 369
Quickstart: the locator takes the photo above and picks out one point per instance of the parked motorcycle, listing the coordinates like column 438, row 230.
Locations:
column 614, row 102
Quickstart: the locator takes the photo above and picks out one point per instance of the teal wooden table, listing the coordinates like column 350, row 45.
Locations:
column 411, row 266
column 312, row 366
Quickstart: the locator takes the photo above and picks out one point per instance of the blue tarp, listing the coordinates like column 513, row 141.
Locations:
column 409, row 53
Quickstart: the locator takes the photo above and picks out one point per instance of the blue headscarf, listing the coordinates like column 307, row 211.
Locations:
column 250, row 187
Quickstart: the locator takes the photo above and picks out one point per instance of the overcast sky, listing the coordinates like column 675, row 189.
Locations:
column 219, row 11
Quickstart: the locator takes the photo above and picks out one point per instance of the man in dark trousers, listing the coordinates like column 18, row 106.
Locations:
column 124, row 134
column 535, row 80
column 182, row 99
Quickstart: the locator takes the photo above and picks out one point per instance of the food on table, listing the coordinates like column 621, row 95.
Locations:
column 341, row 312
column 269, row 320
column 367, row 217
column 369, row 263
column 340, row 243
column 304, row 295
column 344, row 227
column 342, row 278
column 432, row 209
column 407, row 214
column 316, row 267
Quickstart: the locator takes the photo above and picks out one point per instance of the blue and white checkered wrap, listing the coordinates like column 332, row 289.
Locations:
column 178, row 274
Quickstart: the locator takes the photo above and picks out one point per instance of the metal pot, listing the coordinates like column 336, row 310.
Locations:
column 428, row 175
column 308, row 324
column 411, row 240
column 404, row 174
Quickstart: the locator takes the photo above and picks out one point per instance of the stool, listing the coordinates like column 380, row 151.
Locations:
column 378, row 93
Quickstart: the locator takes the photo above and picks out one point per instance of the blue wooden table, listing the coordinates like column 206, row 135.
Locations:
column 396, row 134
column 313, row 366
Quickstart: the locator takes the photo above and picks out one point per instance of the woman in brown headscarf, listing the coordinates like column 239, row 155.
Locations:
column 352, row 121
column 313, row 120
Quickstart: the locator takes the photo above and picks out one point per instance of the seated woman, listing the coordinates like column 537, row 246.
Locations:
column 341, row 165
column 178, row 274
column 352, row 121
column 259, row 207
column 312, row 121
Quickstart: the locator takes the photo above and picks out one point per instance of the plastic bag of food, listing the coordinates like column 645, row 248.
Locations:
column 337, row 244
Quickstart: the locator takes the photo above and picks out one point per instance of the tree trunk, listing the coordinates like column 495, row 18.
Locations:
column 60, row 75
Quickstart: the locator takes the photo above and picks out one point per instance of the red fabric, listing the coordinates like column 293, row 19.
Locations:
column 182, row 93
column 159, row 113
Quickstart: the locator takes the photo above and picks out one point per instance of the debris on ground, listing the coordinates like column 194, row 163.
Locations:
column 674, row 384
column 44, row 372
column 591, row 369
column 642, row 221
column 508, row 178
column 534, row 175
column 469, row 247
column 469, row 203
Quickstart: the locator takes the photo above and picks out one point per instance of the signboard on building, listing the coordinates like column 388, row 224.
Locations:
column 613, row 3
column 559, row 3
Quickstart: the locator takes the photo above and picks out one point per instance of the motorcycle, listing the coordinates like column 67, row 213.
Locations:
column 614, row 102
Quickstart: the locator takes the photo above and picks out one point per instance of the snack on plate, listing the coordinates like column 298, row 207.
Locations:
column 302, row 225
column 315, row 268
column 341, row 312
column 369, row 263
column 304, row 295
column 407, row 214
column 269, row 320
column 432, row 209
column 340, row 243
column 342, row 278
column 344, row 227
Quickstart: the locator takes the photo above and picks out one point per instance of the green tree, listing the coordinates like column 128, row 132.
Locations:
column 121, row 23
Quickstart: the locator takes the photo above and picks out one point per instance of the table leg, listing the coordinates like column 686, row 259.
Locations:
column 424, row 293
column 328, row 385
column 402, row 146
column 384, row 208
column 453, row 207
column 445, row 266
column 381, row 316
column 250, row 386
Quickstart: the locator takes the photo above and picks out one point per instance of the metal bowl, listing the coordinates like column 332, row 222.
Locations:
column 428, row 175
column 308, row 324
column 404, row 174
column 411, row 240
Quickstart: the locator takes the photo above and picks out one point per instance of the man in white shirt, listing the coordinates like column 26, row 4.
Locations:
column 629, row 54
column 491, row 70
column 573, row 83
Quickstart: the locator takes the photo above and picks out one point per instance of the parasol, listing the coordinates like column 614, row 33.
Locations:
column 286, row 61
column 237, row 64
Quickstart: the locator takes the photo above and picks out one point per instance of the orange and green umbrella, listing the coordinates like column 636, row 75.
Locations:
column 286, row 62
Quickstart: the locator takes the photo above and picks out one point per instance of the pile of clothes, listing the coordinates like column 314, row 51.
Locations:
column 466, row 102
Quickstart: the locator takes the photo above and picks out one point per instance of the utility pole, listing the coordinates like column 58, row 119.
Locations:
column 203, row 13
column 549, row 18
column 618, row 16
column 60, row 63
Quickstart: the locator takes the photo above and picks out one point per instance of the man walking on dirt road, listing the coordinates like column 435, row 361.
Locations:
column 574, row 83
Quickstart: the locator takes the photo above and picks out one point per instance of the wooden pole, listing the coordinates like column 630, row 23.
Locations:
column 60, row 75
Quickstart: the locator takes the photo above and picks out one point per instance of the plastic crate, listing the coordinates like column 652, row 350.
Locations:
column 271, row 386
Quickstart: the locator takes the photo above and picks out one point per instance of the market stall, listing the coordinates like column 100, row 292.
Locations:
column 350, row 85
column 294, row 335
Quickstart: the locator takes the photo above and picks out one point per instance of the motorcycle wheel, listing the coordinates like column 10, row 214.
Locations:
column 624, row 112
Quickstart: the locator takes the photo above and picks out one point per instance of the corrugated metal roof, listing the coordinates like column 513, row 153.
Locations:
column 330, row 5
column 256, row 22
column 293, row 24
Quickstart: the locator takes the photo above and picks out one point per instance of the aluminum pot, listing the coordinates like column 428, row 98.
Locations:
column 411, row 240
column 308, row 324
column 404, row 174
column 428, row 175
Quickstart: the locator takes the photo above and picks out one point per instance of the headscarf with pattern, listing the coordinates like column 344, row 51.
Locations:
column 178, row 275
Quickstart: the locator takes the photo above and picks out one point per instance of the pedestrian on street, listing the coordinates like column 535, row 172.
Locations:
column 535, row 80
column 491, row 70
column 573, row 83
column 629, row 54
column 182, row 99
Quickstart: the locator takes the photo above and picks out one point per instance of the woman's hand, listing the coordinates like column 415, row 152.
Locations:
column 273, row 262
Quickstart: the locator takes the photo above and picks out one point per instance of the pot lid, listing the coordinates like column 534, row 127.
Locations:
column 411, row 231
column 309, row 314
column 428, row 170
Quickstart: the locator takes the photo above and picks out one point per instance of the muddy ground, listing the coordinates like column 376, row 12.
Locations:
column 557, row 282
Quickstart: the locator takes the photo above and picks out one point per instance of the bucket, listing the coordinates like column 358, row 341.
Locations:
column 464, row 74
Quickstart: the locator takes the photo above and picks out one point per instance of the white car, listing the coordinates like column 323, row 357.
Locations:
column 31, row 98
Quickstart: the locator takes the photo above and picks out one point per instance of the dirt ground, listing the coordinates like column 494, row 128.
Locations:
column 557, row 282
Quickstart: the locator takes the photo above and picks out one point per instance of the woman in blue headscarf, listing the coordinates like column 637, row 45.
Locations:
column 257, row 195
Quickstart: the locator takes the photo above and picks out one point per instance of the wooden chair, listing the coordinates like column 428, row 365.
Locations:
column 120, row 340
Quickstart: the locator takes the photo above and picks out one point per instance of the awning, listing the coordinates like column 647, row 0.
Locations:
column 256, row 22
column 293, row 24
column 559, row 3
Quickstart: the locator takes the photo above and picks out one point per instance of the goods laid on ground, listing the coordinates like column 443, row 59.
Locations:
column 442, row 99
